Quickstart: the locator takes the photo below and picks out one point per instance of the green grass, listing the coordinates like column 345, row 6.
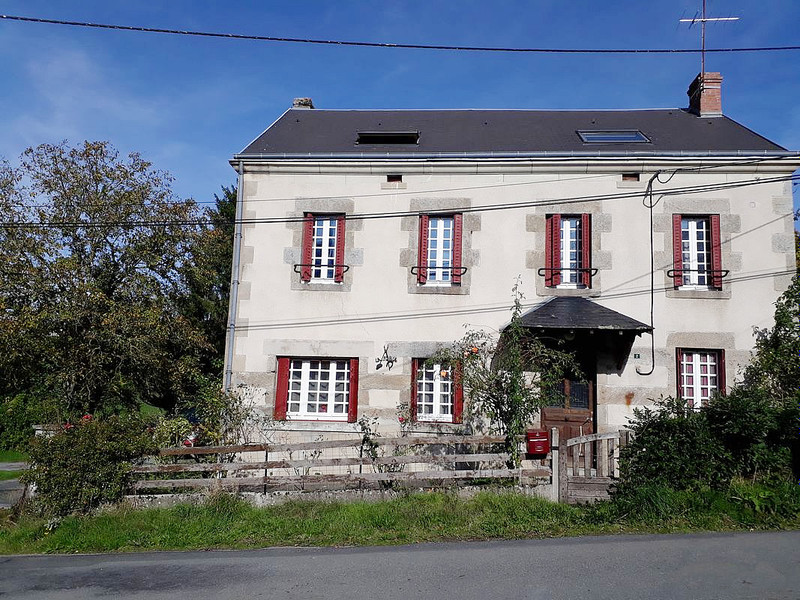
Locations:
column 12, row 456
column 227, row 522
column 6, row 475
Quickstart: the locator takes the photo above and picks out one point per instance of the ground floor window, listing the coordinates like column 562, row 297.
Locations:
column 317, row 389
column 701, row 374
column 436, row 393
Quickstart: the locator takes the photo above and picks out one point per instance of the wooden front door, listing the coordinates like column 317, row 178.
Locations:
column 572, row 411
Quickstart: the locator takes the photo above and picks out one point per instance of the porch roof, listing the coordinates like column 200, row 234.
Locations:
column 579, row 313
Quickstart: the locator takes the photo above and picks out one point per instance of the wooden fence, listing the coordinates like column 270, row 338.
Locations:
column 336, row 465
column 587, row 466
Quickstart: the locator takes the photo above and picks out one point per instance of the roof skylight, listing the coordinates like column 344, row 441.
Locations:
column 613, row 136
column 388, row 137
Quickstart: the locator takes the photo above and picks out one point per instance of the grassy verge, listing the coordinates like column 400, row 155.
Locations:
column 12, row 456
column 226, row 522
column 6, row 475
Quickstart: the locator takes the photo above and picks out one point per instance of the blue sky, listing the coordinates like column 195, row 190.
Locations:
column 187, row 104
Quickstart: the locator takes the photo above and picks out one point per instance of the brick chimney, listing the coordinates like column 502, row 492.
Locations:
column 705, row 95
column 302, row 103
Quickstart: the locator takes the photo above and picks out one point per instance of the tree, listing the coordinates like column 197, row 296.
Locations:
column 508, row 380
column 207, row 277
column 91, row 261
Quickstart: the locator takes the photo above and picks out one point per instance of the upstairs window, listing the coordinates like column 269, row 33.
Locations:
column 439, row 257
column 436, row 393
column 315, row 389
column 697, row 252
column 323, row 249
column 701, row 374
column 568, row 258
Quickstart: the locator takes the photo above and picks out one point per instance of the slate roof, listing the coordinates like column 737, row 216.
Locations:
column 579, row 313
column 319, row 133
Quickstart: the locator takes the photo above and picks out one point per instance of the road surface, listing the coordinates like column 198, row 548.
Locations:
column 759, row 566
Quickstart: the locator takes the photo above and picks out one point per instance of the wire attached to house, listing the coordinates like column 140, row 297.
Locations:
column 266, row 38
column 695, row 189
column 650, row 205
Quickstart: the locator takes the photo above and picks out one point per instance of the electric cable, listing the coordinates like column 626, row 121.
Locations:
column 464, row 48
column 694, row 189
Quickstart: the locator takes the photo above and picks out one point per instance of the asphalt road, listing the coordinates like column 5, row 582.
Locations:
column 759, row 566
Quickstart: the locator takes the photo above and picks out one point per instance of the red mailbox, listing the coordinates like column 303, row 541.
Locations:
column 538, row 441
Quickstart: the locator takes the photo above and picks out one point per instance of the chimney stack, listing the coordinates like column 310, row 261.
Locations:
column 705, row 95
column 302, row 103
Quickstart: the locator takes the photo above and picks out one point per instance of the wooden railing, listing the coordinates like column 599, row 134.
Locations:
column 588, row 464
column 381, row 463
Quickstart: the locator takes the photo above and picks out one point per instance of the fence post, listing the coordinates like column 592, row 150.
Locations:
column 562, row 471
column 555, row 460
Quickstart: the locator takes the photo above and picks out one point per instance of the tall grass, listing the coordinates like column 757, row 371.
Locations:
column 225, row 521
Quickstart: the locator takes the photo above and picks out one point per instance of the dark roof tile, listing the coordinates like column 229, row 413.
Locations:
column 304, row 132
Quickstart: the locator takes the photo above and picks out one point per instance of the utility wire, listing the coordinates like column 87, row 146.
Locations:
column 696, row 189
column 417, row 192
column 469, row 310
column 265, row 38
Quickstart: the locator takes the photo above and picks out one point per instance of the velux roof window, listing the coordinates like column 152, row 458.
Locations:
column 383, row 138
column 613, row 136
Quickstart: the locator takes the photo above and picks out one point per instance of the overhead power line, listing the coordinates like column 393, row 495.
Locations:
column 267, row 38
column 694, row 189
column 336, row 320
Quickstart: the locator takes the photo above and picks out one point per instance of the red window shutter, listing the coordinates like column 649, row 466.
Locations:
column 338, row 275
column 721, row 380
column 716, row 252
column 352, row 404
column 458, row 394
column 422, row 259
column 308, row 247
column 458, row 230
column 412, row 403
column 552, row 251
column 586, row 250
column 282, row 390
column 679, row 371
column 677, row 252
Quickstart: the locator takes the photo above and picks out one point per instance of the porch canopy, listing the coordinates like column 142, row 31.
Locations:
column 585, row 325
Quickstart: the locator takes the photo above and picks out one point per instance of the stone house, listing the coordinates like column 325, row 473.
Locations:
column 650, row 241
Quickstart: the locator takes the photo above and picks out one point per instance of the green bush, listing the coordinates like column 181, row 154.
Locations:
column 87, row 463
column 18, row 415
column 755, row 430
column 673, row 446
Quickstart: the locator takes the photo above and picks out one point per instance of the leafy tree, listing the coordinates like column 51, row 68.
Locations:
column 204, row 299
column 89, row 279
column 507, row 380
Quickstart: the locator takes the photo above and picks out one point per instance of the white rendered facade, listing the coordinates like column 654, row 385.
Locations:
column 380, row 303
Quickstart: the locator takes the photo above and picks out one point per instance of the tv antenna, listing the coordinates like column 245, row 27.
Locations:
column 703, row 19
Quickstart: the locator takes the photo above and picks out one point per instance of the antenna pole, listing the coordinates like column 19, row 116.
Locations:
column 703, row 20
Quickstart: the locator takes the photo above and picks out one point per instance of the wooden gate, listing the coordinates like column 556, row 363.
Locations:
column 587, row 465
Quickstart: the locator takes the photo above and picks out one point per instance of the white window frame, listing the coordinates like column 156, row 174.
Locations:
column 323, row 248
column 571, row 231
column 698, row 387
column 304, row 381
column 439, row 261
column 436, row 391
column 694, row 232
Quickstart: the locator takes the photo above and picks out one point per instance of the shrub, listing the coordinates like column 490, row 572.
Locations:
column 18, row 415
column 755, row 431
column 86, row 464
column 673, row 446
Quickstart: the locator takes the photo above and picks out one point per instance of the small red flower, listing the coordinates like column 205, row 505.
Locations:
column 68, row 426
column 86, row 417
column 401, row 418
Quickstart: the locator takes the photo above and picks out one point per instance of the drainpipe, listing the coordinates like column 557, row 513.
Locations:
column 234, row 292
